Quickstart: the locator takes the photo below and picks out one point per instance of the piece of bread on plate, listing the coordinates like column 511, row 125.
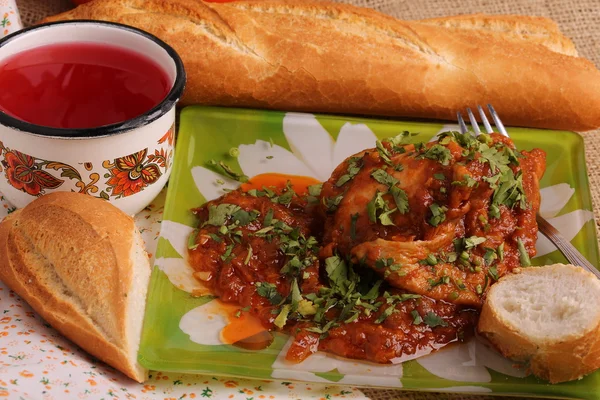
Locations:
column 318, row 56
column 80, row 263
column 548, row 317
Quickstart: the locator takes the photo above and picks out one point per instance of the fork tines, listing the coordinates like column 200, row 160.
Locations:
column 484, row 120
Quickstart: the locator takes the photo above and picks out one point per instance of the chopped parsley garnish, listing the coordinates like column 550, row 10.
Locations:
column 400, row 198
column 438, row 214
column 523, row 254
column 433, row 320
column 248, row 256
column 332, row 203
column 439, row 176
column 493, row 272
column 417, row 320
column 269, row 292
column 383, row 177
column 444, row 280
column 438, row 153
column 354, row 165
column 231, row 173
column 473, row 241
column 218, row 215
column 386, row 313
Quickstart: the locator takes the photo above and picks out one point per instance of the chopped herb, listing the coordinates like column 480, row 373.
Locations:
column 438, row 214
column 400, row 198
column 295, row 294
column 352, row 318
column 439, row 176
column 268, row 218
column 385, row 218
column 467, row 181
column 386, row 313
column 269, row 157
column 523, row 255
column 434, row 320
column 493, row 272
column 215, row 237
column 383, row 152
column 220, row 182
column 473, row 241
column 337, row 271
column 383, row 177
column 306, row 308
column 453, row 296
column 500, row 251
column 479, row 289
column 451, row 257
column 263, row 231
column 217, row 215
column 417, row 320
column 431, row 260
column 332, row 203
column 243, row 217
column 268, row 291
column 227, row 254
column 248, row 256
column 372, row 206
column 232, row 174
column 494, row 211
column 282, row 317
column 439, row 153
column 315, row 190
column 271, row 142
column 353, row 169
column 444, row 280
column 490, row 256
column 241, row 310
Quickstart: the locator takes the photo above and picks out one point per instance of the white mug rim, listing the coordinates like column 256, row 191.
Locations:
column 146, row 118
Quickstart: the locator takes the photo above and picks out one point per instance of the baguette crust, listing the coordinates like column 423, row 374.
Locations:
column 69, row 256
column 328, row 57
column 569, row 358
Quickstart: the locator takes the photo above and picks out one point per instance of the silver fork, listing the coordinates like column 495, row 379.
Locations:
column 563, row 245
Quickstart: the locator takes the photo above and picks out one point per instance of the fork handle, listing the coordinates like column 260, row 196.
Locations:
column 564, row 246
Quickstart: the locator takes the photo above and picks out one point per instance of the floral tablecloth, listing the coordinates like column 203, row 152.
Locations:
column 36, row 362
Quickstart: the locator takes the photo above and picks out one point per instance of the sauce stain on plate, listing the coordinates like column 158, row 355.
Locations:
column 216, row 323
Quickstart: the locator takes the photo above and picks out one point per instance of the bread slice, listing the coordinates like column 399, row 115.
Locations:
column 80, row 263
column 548, row 317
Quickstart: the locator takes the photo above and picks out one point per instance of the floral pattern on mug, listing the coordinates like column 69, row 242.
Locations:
column 125, row 175
column 25, row 173
column 131, row 174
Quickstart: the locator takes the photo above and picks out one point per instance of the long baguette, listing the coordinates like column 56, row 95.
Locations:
column 80, row 264
column 329, row 57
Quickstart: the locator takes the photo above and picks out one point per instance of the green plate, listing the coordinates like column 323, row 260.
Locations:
column 181, row 332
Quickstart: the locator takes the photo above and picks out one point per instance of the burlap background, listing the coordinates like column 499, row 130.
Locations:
column 579, row 19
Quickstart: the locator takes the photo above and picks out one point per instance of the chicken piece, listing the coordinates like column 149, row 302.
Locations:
column 442, row 219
